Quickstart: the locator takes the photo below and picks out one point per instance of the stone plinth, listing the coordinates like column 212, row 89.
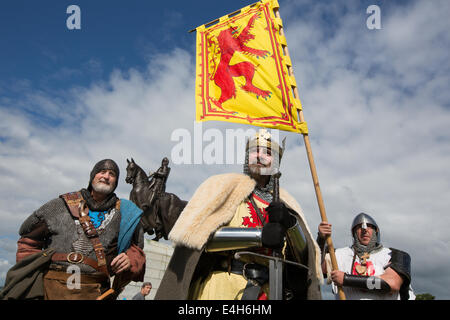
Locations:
column 157, row 258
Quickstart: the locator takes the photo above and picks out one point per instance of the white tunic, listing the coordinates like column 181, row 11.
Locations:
column 376, row 264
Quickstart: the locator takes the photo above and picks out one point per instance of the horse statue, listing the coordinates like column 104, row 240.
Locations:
column 160, row 209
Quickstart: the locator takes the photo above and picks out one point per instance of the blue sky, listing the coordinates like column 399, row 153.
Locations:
column 113, row 35
column 376, row 103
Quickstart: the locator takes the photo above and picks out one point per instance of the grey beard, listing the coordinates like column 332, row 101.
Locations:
column 102, row 188
column 360, row 249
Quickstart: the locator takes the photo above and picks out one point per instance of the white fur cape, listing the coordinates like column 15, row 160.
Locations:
column 214, row 204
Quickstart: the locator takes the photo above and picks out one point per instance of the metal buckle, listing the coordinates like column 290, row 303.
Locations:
column 78, row 257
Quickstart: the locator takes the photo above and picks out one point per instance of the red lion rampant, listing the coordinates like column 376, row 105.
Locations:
column 253, row 220
column 223, row 78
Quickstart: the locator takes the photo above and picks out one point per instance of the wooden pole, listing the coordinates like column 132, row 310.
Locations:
column 106, row 294
column 312, row 167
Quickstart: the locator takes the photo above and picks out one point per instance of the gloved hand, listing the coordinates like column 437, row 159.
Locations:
column 279, row 221
column 278, row 212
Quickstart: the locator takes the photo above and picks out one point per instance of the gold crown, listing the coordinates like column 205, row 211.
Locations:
column 263, row 138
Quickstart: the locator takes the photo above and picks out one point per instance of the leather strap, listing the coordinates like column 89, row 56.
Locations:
column 72, row 200
column 257, row 275
column 92, row 235
column 229, row 265
column 78, row 208
column 258, row 211
column 84, row 277
column 76, row 258
column 364, row 282
column 251, row 292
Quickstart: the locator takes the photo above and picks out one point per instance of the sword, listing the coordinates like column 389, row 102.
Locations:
column 276, row 263
column 275, row 277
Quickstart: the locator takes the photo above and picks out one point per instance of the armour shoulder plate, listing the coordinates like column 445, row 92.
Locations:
column 401, row 263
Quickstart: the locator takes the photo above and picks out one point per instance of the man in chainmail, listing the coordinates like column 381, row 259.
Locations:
column 226, row 206
column 93, row 234
column 367, row 270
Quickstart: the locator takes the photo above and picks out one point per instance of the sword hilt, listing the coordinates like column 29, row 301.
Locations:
column 276, row 187
column 238, row 255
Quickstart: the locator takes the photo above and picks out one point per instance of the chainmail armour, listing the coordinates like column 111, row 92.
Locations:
column 371, row 247
column 265, row 192
column 67, row 234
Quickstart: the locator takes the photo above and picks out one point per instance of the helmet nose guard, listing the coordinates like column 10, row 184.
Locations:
column 364, row 220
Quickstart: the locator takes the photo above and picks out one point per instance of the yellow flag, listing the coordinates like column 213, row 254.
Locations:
column 241, row 71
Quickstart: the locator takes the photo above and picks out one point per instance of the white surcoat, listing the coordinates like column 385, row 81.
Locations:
column 376, row 264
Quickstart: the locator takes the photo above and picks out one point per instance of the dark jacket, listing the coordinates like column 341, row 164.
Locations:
column 25, row 279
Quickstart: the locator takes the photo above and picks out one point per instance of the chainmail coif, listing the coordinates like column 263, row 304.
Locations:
column 371, row 247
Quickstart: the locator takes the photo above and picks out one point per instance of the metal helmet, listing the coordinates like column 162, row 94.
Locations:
column 364, row 219
column 263, row 138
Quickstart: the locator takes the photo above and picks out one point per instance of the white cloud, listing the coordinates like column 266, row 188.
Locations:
column 7, row 259
column 4, row 267
column 376, row 103
column 377, row 108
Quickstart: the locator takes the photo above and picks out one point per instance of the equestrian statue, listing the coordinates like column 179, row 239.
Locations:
column 160, row 209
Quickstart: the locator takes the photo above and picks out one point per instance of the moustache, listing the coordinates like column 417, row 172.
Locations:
column 260, row 162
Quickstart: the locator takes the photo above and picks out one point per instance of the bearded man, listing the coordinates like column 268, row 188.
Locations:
column 367, row 270
column 90, row 232
column 232, row 213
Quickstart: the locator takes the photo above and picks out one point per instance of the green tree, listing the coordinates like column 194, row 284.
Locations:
column 425, row 296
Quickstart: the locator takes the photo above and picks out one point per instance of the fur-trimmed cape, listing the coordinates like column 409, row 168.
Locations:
column 212, row 206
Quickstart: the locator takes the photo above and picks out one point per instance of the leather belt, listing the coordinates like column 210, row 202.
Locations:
column 76, row 258
column 84, row 277
column 229, row 265
column 255, row 274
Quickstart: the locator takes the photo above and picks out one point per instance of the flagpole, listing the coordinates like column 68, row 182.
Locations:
column 312, row 167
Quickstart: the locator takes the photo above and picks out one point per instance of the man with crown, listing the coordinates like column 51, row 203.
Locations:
column 233, row 213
